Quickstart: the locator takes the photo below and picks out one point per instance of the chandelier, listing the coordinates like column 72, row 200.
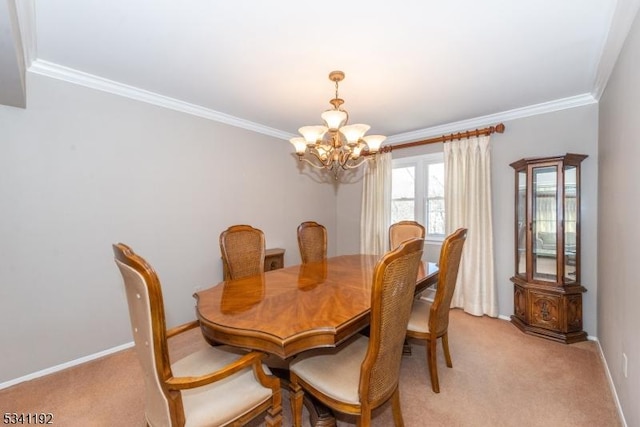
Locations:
column 336, row 145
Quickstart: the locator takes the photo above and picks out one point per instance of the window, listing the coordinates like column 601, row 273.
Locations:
column 417, row 192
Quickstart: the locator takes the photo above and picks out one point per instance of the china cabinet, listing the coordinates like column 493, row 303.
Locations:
column 547, row 288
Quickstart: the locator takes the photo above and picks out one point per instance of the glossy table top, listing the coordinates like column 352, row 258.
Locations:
column 296, row 308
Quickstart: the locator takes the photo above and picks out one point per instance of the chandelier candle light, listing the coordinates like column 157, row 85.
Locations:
column 336, row 145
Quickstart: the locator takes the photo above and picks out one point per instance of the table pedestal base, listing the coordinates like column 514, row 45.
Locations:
column 319, row 414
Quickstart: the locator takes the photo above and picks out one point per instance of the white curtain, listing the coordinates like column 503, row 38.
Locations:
column 375, row 217
column 468, row 204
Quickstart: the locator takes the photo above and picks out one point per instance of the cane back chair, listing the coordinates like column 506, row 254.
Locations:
column 430, row 320
column 362, row 374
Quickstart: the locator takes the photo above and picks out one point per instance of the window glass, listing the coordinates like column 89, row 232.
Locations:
column 435, row 199
column 417, row 192
column 403, row 193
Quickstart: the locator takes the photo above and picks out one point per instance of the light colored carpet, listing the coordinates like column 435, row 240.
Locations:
column 500, row 377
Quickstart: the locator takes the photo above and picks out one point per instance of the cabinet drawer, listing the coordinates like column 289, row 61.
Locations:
column 273, row 259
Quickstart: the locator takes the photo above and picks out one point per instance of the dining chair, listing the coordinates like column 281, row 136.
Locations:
column 312, row 241
column 430, row 320
column 362, row 374
column 403, row 230
column 242, row 248
column 218, row 386
column 398, row 233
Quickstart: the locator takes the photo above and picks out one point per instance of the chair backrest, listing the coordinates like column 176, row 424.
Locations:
column 394, row 283
column 242, row 248
column 403, row 230
column 146, row 312
column 312, row 241
column 448, row 266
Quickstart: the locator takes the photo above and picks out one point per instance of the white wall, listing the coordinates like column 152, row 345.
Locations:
column 573, row 130
column 618, row 235
column 82, row 169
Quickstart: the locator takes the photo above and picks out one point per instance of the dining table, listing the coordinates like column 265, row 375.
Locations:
column 294, row 309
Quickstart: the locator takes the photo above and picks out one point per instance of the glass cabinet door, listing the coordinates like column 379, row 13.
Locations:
column 570, row 224
column 544, row 222
column 521, row 221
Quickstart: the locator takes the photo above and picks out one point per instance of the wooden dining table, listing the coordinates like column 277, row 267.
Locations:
column 290, row 310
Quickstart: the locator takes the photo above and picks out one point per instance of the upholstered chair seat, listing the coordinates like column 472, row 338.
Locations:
column 223, row 401
column 419, row 319
column 334, row 372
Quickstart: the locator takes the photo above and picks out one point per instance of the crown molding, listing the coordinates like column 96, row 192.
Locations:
column 71, row 75
column 620, row 25
column 492, row 119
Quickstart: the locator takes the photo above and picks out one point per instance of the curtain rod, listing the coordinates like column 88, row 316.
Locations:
column 444, row 138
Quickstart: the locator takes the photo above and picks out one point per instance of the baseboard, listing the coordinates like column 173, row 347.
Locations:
column 610, row 379
column 65, row 365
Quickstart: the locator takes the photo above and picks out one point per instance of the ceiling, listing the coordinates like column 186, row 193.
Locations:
column 413, row 67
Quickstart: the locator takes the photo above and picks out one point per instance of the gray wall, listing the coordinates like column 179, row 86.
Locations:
column 618, row 236
column 574, row 130
column 82, row 169
column 567, row 131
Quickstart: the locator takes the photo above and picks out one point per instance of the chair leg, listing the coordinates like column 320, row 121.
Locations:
column 445, row 345
column 433, row 365
column 364, row 419
column 395, row 406
column 273, row 418
column 273, row 422
column 297, row 395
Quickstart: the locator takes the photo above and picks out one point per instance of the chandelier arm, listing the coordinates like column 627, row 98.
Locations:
column 312, row 151
column 347, row 166
column 345, row 156
column 320, row 166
